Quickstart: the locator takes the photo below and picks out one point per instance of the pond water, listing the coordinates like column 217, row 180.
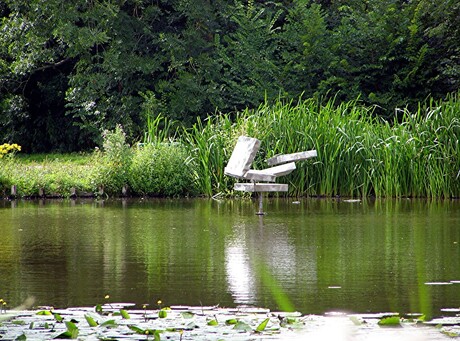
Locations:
column 313, row 256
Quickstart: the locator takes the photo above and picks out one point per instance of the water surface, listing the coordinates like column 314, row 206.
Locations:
column 315, row 256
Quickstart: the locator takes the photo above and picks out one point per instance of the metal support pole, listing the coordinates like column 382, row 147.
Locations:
column 261, row 208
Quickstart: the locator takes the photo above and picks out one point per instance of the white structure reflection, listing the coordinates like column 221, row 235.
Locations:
column 240, row 277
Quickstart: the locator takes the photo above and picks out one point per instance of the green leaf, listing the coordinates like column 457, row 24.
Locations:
column 154, row 332
column 261, row 327
column 357, row 321
column 21, row 337
column 109, row 323
column 98, row 309
column 242, row 326
column 92, row 322
column 124, row 314
column 421, row 318
column 187, row 315
column 156, row 335
column 58, row 317
column 162, row 313
column 230, row 322
column 71, row 326
column 18, row 322
column 213, row 322
column 44, row 312
column 71, row 333
column 137, row 329
column 390, row 321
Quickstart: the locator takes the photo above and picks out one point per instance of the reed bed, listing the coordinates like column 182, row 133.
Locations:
column 359, row 154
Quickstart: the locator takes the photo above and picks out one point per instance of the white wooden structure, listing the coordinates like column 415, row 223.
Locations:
column 239, row 166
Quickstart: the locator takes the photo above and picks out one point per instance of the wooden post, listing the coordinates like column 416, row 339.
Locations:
column 73, row 192
column 13, row 191
column 124, row 191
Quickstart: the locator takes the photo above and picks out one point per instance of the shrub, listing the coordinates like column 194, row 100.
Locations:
column 163, row 169
column 112, row 165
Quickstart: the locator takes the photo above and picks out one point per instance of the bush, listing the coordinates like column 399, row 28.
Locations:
column 163, row 169
column 112, row 166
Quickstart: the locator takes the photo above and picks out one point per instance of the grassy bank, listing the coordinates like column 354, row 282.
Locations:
column 358, row 154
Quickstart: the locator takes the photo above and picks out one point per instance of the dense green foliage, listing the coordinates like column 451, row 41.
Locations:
column 162, row 170
column 359, row 154
column 71, row 69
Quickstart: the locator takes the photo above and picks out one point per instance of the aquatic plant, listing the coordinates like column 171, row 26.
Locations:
column 203, row 323
column 359, row 154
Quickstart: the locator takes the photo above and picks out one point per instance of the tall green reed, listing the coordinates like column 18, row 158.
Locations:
column 359, row 154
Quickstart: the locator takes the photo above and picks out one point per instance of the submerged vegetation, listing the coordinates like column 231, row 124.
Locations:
column 359, row 154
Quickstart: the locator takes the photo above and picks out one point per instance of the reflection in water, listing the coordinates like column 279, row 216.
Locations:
column 317, row 256
column 239, row 275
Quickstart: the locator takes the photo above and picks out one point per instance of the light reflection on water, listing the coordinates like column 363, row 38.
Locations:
column 316, row 256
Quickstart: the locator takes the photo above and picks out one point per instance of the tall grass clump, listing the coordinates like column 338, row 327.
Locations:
column 359, row 154
column 162, row 169
column 112, row 165
column 211, row 143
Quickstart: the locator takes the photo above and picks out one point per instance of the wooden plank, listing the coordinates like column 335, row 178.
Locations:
column 283, row 158
column 242, row 156
column 260, row 187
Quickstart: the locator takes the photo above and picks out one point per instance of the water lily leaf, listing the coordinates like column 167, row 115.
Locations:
column 71, row 326
column 67, row 335
column 450, row 333
column 357, row 321
column 58, row 317
column 421, row 318
column 162, row 313
column 124, row 314
column 109, row 323
column 18, row 322
column 261, row 327
column 21, row 337
column 98, row 309
column 70, row 333
column 187, row 315
column 137, row 329
column 192, row 325
column 92, row 322
column 44, row 312
column 213, row 322
column 243, row 326
column 154, row 332
column 231, row 322
column 288, row 321
column 390, row 321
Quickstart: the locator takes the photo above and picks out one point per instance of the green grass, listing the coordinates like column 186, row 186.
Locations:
column 74, row 158
column 359, row 154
